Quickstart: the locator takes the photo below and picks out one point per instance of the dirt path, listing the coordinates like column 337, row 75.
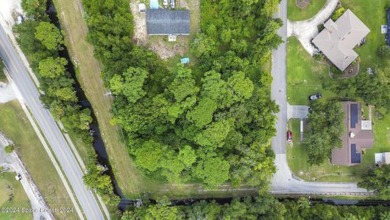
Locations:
column 306, row 30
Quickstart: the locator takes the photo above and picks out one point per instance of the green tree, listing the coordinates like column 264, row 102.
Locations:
column 377, row 179
column 52, row 67
column 35, row 8
column 97, row 180
column 214, row 135
column 50, row 36
column 130, row 84
column 202, row 114
column 213, row 171
column 187, row 155
column 326, row 126
column 149, row 155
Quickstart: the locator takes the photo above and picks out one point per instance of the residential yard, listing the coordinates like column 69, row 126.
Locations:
column 297, row 157
column 16, row 126
column 366, row 11
column 160, row 44
column 13, row 198
column 304, row 74
column 294, row 13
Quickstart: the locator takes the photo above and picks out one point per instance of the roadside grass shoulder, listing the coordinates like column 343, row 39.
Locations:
column 3, row 78
column 304, row 74
column 10, row 187
column 16, row 126
column 294, row 13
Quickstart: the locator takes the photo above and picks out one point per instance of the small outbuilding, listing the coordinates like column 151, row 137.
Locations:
column 168, row 22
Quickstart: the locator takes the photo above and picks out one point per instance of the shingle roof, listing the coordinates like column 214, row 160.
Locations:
column 361, row 139
column 166, row 22
column 338, row 39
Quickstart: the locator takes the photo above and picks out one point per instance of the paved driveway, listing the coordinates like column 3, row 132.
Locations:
column 306, row 30
column 297, row 111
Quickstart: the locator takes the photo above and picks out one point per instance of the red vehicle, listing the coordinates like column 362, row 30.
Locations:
column 289, row 136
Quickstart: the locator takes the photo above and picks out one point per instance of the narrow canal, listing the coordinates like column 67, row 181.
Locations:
column 98, row 143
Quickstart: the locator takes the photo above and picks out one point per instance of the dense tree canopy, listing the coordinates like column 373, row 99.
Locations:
column 41, row 42
column 374, row 88
column 49, row 35
column 210, row 124
column 35, row 9
column 377, row 179
column 326, row 126
column 260, row 207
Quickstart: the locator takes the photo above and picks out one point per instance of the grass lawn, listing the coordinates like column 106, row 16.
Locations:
column 296, row 14
column 304, row 77
column 373, row 15
column 14, row 123
column 297, row 157
column 9, row 186
column 304, row 74
column 297, row 161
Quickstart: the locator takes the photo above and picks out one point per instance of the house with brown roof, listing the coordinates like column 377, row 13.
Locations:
column 339, row 37
column 356, row 137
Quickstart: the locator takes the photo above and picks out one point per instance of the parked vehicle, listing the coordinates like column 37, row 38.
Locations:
column 315, row 96
column 172, row 3
column 289, row 136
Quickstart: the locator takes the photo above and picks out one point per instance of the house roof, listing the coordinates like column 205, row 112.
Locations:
column 338, row 39
column 168, row 22
column 354, row 138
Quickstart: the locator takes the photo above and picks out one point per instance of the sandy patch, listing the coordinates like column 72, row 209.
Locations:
column 6, row 93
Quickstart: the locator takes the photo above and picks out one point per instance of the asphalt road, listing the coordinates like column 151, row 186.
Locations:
column 49, row 128
column 283, row 181
column 278, row 88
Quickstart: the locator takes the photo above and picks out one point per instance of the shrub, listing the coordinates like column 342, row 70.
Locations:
column 9, row 149
column 318, row 56
column 337, row 13
column 384, row 50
